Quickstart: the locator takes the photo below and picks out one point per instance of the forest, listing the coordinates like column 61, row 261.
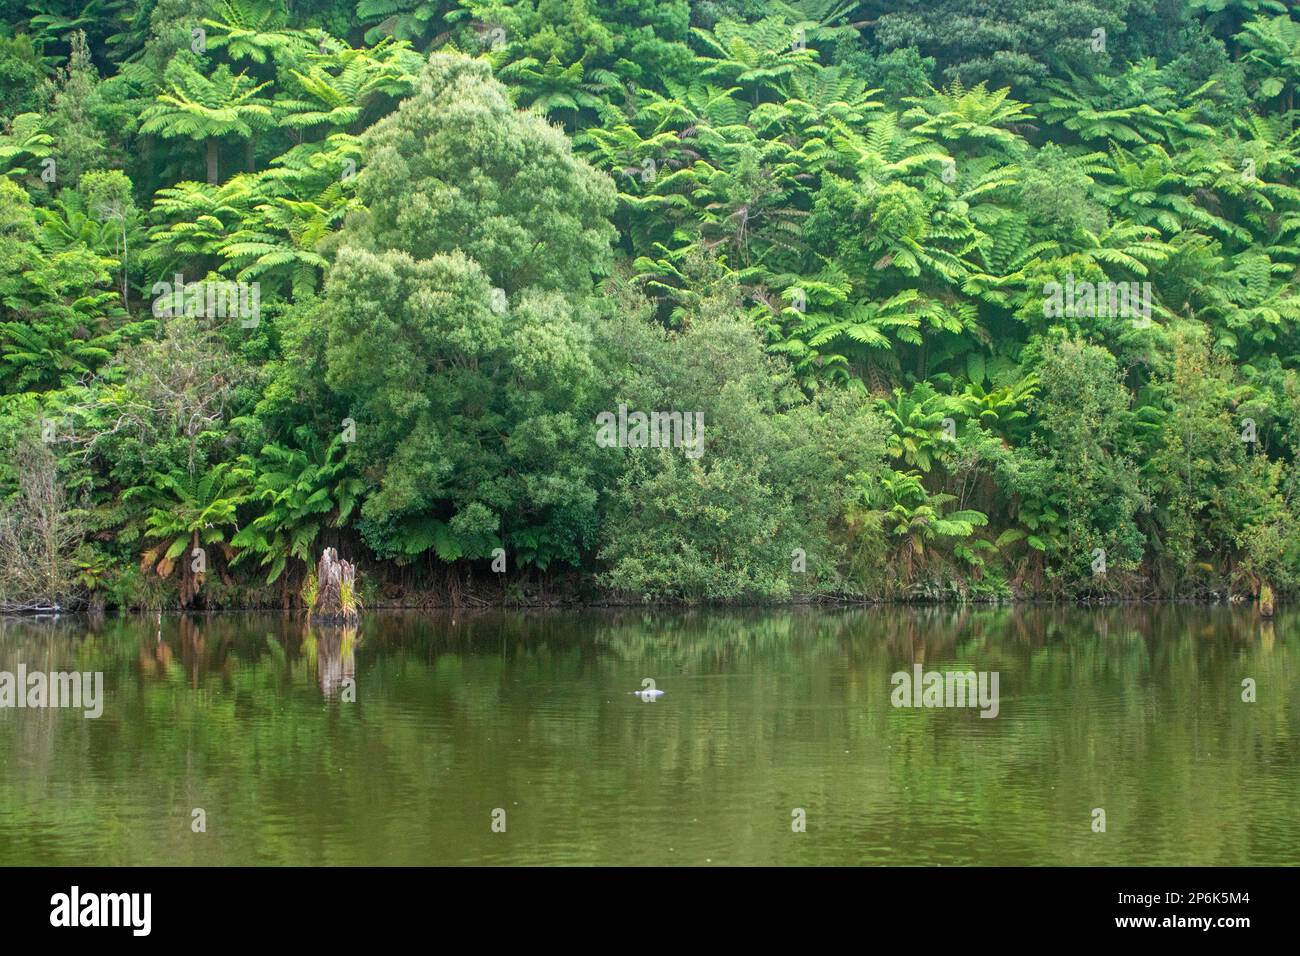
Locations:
column 925, row 300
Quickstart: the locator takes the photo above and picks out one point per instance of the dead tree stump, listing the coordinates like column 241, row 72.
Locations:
column 1266, row 600
column 336, row 596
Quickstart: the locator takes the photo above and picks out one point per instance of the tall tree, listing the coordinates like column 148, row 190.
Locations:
column 207, row 108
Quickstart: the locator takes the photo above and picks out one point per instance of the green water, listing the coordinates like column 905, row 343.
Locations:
column 1134, row 710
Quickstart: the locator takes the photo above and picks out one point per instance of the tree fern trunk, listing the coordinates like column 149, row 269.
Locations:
column 212, row 160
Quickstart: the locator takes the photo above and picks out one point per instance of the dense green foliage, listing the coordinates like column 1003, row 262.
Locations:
column 973, row 299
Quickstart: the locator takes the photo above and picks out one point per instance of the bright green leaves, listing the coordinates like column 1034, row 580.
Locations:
column 297, row 490
column 457, row 168
column 184, row 509
column 207, row 106
column 457, row 328
column 60, row 316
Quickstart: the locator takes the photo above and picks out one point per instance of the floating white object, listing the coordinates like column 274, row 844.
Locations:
column 649, row 695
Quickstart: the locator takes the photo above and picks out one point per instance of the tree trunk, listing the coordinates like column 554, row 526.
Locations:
column 212, row 160
column 335, row 589
column 1265, row 600
column 125, row 253
column 191, row 582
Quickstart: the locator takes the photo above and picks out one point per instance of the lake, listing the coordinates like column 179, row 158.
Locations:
column 518, row 738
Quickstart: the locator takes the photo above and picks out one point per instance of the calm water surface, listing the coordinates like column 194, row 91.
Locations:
column 1136, row 710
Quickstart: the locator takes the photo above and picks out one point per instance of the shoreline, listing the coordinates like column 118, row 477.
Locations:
column 1076, row 603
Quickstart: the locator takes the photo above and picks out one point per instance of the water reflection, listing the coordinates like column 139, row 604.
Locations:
column 335, row 660
column 1136, row 709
